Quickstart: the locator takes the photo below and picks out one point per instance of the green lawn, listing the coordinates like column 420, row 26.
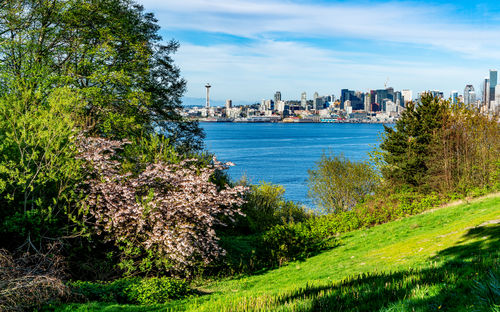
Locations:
column 428, row 262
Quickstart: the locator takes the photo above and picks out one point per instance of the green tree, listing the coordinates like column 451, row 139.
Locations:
column 38, row 168
column 406, row 147
column 110, row 50
column 337, row 184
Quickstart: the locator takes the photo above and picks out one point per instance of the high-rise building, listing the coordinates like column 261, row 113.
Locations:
column 373, row 95
column 496, row 107
column 277, row 97
column 229, row 104
column 469, row 95
column 398, row 99
column 486, row 92
column 407, row 96
column 454, row 97
column 368, row 102
column 493, row 83
column 303, row 100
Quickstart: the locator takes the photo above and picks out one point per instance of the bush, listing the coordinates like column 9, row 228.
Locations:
column 339, row 184
column 131, row 290
column 289, row 242
column 266, row 207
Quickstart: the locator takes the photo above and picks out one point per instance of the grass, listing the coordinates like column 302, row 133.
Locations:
column 428, row 262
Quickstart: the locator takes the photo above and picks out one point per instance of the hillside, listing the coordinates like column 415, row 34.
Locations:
column 428, row 262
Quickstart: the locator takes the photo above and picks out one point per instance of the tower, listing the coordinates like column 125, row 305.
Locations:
column 486, row 93
column 493, row 83
column 208, row 95
column 303, row 100
column 277, row 97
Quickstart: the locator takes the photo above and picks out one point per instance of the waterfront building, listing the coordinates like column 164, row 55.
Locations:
column 318, row 103
column 262, row 106
column 229, row 104
column 469, row 95
column 280, row 106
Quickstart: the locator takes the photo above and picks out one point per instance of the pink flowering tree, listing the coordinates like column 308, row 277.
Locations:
column 161, row 217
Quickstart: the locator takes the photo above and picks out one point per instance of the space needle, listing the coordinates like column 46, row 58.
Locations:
column 208, row 95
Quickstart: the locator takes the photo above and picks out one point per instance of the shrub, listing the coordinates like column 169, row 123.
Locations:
column 288, row 242
column 157, row 290
column 337, row 184
column 154, row 290
column 266, row 207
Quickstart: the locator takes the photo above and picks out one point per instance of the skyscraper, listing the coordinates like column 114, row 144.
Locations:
column 277, row 97
column 493, row 83
column 454, row 97
column 368, row 102
column 303, row 100
column 486, row 93
column 469, row 95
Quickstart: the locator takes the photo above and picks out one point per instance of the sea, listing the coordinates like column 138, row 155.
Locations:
column 282, row 153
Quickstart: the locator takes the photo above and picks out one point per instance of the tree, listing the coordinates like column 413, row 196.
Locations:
column 440, row 146
column 161, row 217
column 337, row 184
column 406, row 148
column 110, row 50
column 38, row 169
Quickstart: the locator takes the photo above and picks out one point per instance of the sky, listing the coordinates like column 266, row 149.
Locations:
column 249, row 49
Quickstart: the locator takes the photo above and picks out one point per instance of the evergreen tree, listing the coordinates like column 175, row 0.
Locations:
column 407, row 146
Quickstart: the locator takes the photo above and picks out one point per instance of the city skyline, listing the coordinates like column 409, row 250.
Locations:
column 249, row 49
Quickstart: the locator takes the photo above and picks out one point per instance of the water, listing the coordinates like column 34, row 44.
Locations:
column 283, row 153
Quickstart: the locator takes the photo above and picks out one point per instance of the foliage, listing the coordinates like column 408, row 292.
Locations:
column 157, row 290
column 266, row 207
column 442, row 147
column 38, row 169
column 162, row 217
column 428, row 262
column 337, row 184
column 30, row 281
column 108, row 50
column 466, row 154
column 407, row 147
column 153, row 290
column 285, row 243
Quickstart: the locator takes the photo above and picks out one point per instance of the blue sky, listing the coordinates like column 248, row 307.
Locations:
column 248, row 49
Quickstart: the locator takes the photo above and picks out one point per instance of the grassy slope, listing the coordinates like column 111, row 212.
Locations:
column 422, row 263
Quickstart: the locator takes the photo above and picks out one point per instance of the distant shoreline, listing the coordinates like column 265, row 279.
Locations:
column 299, row 122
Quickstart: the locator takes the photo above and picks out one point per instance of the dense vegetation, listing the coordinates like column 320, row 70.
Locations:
column 102, row 181
column 437, row 261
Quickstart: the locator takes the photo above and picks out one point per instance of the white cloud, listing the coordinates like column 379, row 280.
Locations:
column 257, row 70
column 394, row 22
